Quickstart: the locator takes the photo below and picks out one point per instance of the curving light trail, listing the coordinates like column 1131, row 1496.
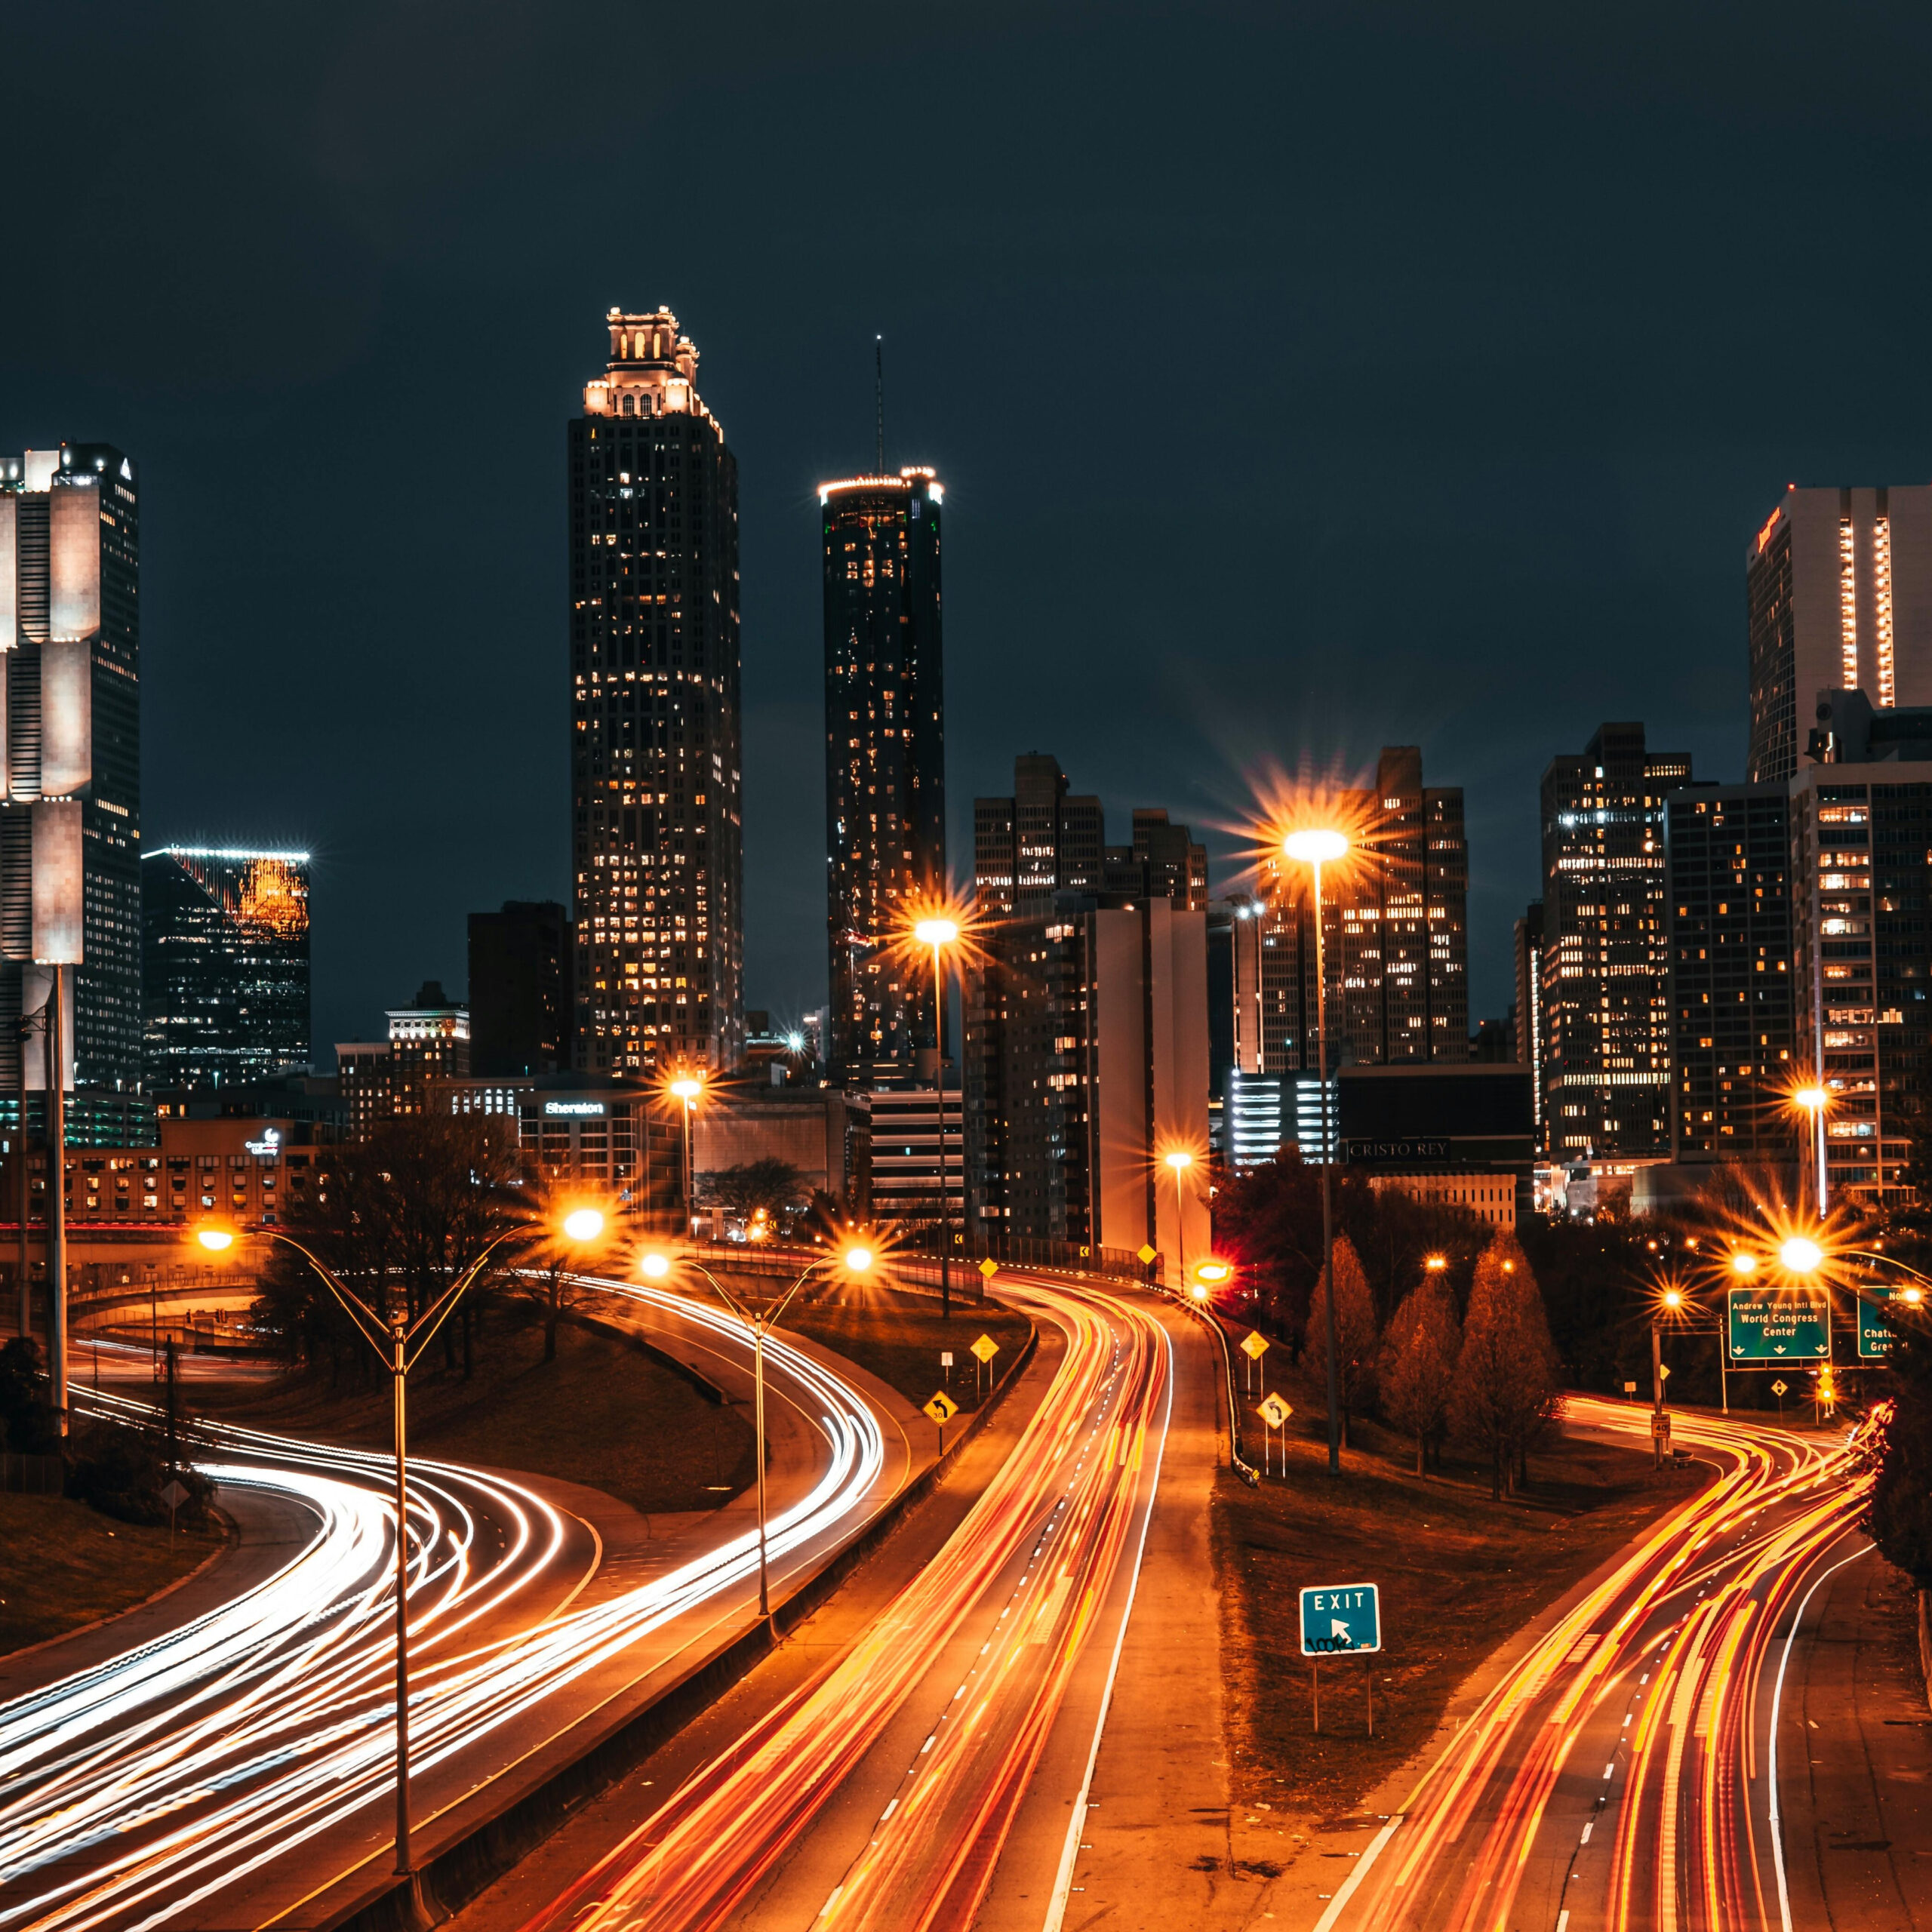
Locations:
column 132, row 1791
column 1659, row 1674
column 1028, row 1571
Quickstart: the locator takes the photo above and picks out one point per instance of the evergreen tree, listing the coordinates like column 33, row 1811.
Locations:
column 1418, row 1366
column 1355, row 1332
column 1507, row 1374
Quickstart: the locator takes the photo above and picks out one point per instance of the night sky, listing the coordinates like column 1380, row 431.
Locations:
column 1303, row 379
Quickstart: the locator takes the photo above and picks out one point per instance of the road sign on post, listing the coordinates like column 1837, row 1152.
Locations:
column 1875, row 1340
column 1778, row 1324
column 1344, row 1620
column 1256, row 1345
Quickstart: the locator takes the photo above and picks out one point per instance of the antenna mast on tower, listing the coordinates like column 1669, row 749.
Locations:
column 879, row 366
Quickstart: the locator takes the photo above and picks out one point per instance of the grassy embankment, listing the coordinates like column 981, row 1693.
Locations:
column 603, row 1413
column 1458, row 1573
column 62, row 1565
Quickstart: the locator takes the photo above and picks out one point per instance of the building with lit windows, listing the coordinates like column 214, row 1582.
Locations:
column 428, row 1045
column 1861, row 842
column 656, row 844
column 884, row 763
column 1395, row 938
column 617, row 1138
column 1604, row 1032
column 1838, row 596
column 70, row 806
column 1732, row 1009
column 224, row 965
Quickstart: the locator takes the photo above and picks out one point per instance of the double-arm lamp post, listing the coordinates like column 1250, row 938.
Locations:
column 855, row 1258
column 399, row 1343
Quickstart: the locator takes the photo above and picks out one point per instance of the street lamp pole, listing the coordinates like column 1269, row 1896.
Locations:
column 1178, row 1161
column 1816, row 1099
column 689, row 1089
column 856, row 1260
column 1315, row 848
column 939, row 934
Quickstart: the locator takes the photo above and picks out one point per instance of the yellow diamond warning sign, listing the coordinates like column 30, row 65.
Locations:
column 942, row 1408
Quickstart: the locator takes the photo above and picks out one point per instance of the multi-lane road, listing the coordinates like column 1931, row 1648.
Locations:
column 239, row 1764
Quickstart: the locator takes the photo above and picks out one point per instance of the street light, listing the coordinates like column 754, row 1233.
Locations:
column 400, row 1342
column 1178, row 1161
column 857, row 1260
column 1816, row 1099
column 1315, row 847
column 687, row 1089
column 1800, row 1255
column 938, row 932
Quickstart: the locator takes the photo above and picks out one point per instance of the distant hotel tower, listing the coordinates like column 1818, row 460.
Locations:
column 656, row 840
column 225, row 965
column 1838, row 584
column 70, row 805
column 885, row 760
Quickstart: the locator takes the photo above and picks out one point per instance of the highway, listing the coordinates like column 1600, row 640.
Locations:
column 242, row 1763
column 1624, row 1772
column 889, row 1791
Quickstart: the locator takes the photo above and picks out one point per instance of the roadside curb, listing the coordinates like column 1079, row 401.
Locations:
column 483, row 1853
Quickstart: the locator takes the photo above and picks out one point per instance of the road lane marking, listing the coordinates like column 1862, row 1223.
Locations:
column 1326, row 1922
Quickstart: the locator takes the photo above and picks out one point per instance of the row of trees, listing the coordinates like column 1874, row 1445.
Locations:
column 1489, row 1377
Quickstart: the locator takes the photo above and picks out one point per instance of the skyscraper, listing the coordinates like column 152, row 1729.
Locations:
column 1604, row 1021
column 1733, row 1003
column 884, row 759
column 1838, row 593
column 520, row 990
column 224, row 965
column 70, row 811
column 656, row 846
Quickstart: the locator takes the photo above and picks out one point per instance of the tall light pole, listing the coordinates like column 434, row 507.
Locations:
column 857, row 1260
column 1816, row 1099
column 56, row 1198
column 939, row 933
column 1315, row 847
column 1178, row 1161
column 400, row 1342
column 689, row 1089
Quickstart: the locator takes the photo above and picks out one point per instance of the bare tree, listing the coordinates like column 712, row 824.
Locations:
column 1355, row 1331
column 1507, row 1375
column 1418, row 1365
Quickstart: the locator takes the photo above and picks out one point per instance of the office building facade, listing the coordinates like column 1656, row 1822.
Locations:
column 1735, row 1050
column 427, row 1046
column 657, row 849
column 884, row 762
column 1838, row 596
column 520, row 1004
column 70, row 811
column 1604, row 1032
column 225, row 985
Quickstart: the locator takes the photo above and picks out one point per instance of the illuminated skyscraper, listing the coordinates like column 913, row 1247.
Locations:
column 1838, row 589
column 224, row 965
column 885, row 760
column 656, row 842
column 70, row 804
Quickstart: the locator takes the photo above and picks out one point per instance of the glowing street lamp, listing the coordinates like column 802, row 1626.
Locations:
column 1315, row 847
column 940, row 931
column 687, row 1089
column 400, row 1342
column 857, row 1259
column 1179, row 1160
column 1816, row 1099
column 1800, row 1255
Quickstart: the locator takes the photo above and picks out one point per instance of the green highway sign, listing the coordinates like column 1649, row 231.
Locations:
column 1874, row 1339
column 1341, row 1621
column 1779, row 1324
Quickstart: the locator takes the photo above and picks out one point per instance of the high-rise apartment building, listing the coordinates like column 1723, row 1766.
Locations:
column 1838, row 592
column 224, row 965
column 1727, row 900
column 70, row 807
column 1861, row 837
column 884, row 761
column 1604, row 1027
column 520, row 990
column 1395, row 937
column 655, row 763
column 1042, row 841
column 1527, row 1032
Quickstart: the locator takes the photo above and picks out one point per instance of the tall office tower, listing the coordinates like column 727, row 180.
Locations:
column 657, row 846
column 884, row 761
column 1528, row 1030
column 1838, row 590
column 1175, row 867
column 1861, row 835
column 520, row 990
column 1727, row 896
column 224, row 965
column 70, row 811
column 1038, row 842
column 1606, row 952
column 1395, row 938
